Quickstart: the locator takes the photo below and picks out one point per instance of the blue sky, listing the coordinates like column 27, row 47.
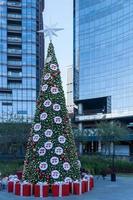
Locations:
column 61, row 12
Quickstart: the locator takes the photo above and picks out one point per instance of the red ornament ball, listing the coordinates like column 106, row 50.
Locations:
column 37, row 170
column 40, row 176
column 48, row 177
column 26, row 161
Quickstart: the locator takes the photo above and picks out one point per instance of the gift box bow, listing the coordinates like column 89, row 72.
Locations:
column 13, row 177
column 42, row 183
column 13, row 180
column 87, row 177
column 25, row 182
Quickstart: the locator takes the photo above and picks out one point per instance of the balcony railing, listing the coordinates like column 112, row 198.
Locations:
column 14, row 39
column 14, row 51
column 15, row 75
column 14, row 16
column 14, row 4
column 14, row 28
column 15, row 63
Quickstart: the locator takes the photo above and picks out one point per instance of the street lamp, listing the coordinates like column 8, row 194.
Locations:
column 113, row 174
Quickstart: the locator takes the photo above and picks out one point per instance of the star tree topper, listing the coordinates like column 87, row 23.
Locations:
column 49, row 31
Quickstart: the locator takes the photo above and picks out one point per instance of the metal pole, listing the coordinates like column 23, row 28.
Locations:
column 113, row 158
column 113, row 175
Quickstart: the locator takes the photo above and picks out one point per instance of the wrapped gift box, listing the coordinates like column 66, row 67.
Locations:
column 87, row 185
column 78, row 187
column 27, row 190
column 11, row 185
column 91, row 182
column 17, row 189
column 41, row 190
column 65, row 189
column 23, row 189
column 60, row 189
column 84, row 186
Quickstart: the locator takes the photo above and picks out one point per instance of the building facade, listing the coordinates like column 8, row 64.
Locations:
column 70, row 103
column 103, row 61
column 21, row 57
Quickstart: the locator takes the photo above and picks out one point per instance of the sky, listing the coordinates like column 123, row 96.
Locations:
column 61, row 12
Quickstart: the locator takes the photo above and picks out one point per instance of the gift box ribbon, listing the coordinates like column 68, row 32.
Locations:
column 60, row 189
column 80, row 186
column 21, row 187
column 41, row 184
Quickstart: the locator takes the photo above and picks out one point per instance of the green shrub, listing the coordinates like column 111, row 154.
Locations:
column 96, row 164
column 124, row 166
column 10, row 167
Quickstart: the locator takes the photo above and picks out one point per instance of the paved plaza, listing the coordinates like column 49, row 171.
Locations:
column 122, row 189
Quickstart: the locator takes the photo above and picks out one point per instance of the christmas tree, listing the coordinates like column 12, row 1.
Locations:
column 51, row 153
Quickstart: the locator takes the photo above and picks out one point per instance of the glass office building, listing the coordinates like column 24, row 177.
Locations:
column 103, row 58
column 21, row 57
column 69, row 95
column 103, row 63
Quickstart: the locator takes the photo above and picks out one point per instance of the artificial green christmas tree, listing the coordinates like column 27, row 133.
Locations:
column 51, row 153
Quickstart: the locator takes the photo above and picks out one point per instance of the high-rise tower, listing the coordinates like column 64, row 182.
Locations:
column 103, row 61
column 21, row 57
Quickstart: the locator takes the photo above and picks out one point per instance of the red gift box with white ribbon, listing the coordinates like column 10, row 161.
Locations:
column 23, row 189
column 78, row 187
column 91, row 182
column 71, row 187
column 11, row 185
column 84, row 186
column 41, row 189
column 60, row 189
